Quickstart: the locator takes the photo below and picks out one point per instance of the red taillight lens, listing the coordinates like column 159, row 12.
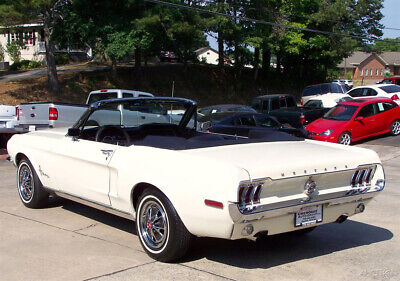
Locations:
column 301, row 101
column 17, row 112
column 53, row 113
column 395, row 97
column 250, row 194
column 302, row 118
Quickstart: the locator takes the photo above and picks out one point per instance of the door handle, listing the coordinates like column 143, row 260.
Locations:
column 107, row 152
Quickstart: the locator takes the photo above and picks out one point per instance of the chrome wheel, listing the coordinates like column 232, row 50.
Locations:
column 396, row 127
column 153, row 224
column 345, row 139
column 26, row 183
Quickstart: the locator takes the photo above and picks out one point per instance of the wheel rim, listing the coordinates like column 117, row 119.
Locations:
column 345, row 139
column 153, row 224
column 396, row 127
column 25, row 183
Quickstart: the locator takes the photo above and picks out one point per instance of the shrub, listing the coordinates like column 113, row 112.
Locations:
column 14, row 50
column 2, row 53
column 25, row 64
column 61, row 59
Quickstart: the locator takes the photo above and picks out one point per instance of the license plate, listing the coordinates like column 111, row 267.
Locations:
column 308, row 216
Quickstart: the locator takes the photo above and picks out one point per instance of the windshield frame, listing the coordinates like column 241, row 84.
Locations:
column 190, row 105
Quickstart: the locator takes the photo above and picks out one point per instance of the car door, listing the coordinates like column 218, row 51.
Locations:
column 366, row 126
column 385, row 115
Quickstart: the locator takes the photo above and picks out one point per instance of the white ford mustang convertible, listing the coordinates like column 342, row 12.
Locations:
column 146, row 164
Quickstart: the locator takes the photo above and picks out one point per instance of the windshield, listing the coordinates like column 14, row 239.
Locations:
column 391, row 89
column 341, row 112
column 137, row 112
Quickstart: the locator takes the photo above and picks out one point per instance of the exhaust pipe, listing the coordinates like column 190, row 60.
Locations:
column 342, row 218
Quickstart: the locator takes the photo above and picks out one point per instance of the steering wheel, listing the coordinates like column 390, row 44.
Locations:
column 113, row 135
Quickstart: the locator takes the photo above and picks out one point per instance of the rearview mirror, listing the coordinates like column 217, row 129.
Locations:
column 359, row 118
column 74, row 132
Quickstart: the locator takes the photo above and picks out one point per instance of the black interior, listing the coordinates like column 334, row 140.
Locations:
column 170, row 136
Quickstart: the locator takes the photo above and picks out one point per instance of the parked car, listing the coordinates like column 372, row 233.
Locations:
column 244, row 124
column 224, row 108
column 321, row 89
column 356, row 120
column 168, row 56
column 347, row 83
column 8, row 119
column 326, row 102
column 391, row 80
column 382, row 90
column 176, row 182
column 40, row 115
column 285, row 109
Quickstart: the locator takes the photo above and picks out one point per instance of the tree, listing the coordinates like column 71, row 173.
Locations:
column 14, row 50
column 48, row 11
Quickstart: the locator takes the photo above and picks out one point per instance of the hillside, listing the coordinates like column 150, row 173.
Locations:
column 203, row 83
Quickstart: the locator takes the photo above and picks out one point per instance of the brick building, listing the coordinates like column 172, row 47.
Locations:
column 371, row 67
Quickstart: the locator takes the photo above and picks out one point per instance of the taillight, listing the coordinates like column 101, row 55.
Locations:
column 53, row 113
column 250, row 194
column 302, row 118
column 17, row 112
column 301, row 101
column 395, row 97
column 362, row 177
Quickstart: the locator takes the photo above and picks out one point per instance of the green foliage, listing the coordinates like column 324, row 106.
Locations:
column 61, row 59
column 2, row 52
column 25, row 64
column 349, row 75
column 386, row 47
column 14, row 50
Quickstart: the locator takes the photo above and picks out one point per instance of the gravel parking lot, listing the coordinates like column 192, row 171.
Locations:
column 69, row 241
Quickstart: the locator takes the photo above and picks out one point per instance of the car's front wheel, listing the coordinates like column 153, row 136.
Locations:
column 345, row 138
column 161, row 232
column 30, row 189
column 395, row 128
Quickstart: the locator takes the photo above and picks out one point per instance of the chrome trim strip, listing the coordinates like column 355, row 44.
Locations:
column 95, row 205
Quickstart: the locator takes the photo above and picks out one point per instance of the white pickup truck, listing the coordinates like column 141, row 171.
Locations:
column 8, row 119
column 38, row 115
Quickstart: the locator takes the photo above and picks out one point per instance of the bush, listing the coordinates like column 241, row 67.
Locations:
column 25, row 64
column 61, row 59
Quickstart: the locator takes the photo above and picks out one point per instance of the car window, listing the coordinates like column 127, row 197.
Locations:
column 386, row 106
column 275, row 104
column 102, row 96
column 282, row 102
column 387, row 81
column 314, row 103
column 264, row 121
column 290, row 102
column 343, row 99
column 325, row 88
column 367, row 111
column 336, row 88
column 356, row 92
column 312, row 91
column 397, row 81
column 247, row 121
column 341, row 112
column 127, row 95
column 255, row 104
column 372, row 92
column 391, row 89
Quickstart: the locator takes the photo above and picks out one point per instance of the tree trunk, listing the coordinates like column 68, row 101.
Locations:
column 266, row 59
column 138, row 67
column 221, row 59
column 278, row 63
column 50, row 60
column 256, row 62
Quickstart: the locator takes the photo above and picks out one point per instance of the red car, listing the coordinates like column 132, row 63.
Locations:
column 357, row 119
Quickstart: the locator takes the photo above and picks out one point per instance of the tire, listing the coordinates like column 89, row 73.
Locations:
column 395, row 128
column 164, row 238
column 30, row 189
column 345, row 138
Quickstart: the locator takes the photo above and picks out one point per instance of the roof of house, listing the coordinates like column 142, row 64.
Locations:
column 389, row 58
column 204, row 49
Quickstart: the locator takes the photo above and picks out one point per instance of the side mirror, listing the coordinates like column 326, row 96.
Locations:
column 74, row 132
column 359, row 118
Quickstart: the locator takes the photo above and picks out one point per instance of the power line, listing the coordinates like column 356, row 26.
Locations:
column 199, row 10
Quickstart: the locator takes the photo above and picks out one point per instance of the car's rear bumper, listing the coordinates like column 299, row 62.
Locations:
column 280, row 220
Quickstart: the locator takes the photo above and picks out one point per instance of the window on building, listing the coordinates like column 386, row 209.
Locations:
column 361, row 72
column 377, row 72
column 366, row 72
column 28, row 38
column 381, row 72
column 370, row 71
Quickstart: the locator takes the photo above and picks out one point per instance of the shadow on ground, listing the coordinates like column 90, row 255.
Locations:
column 266, row 252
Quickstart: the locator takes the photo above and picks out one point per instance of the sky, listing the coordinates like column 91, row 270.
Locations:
column 391, row 13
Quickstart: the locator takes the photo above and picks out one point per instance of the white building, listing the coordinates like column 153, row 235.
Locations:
column 32, row 37
column 207, row 55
